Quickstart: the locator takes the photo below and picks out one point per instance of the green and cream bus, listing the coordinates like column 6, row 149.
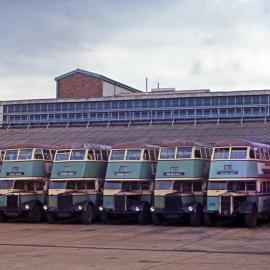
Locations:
column 77, row 181
column 239, row 182
column 181, row 181
column 129, row 183
column 26, row 170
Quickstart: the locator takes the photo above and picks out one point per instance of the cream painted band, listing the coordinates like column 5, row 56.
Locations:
column 165, row 192
column 181, row 179
column 87, row 192
column 129, row 179
column 238, row 179
column 134, row 192
column 220, row 192
column 24, row 178
column 75, row 179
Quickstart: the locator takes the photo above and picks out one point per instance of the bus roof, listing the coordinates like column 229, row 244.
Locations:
column 134, row 145
column 240, row 142
column 83, row 146
column 181, row 143
column 26, row 145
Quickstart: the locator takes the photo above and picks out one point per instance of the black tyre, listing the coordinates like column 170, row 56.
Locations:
column 195, row 219
column 87, row 215
column 144, row 216
column 35, row 214
column 209, row 220
column 51, row 218
column 105, row 218
column 156, row 219
column 252, row 218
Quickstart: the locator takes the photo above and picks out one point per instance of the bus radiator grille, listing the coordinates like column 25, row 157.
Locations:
column 64, row 202
column 225, row 205
column 119, row 202
column 172, row 203
column 12, row 201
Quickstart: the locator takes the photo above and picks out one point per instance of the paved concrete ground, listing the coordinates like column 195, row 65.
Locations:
column 127, row 246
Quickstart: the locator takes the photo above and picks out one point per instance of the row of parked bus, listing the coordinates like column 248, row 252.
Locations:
column 182, row 180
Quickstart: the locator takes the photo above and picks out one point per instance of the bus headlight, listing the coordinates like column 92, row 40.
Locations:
column 100, row 208
column 27, row 206
column 80, row 207
column 152, row 209
column 45, row 207
column 137, row 209
column 190, row 208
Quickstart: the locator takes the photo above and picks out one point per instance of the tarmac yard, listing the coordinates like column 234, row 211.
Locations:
column 129, row 246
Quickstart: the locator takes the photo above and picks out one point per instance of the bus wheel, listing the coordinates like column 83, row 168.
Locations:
column 105, row 218
column 144, row 216
column 209, row 220
column 252, row 218
column 156, row 219
column 195, row 219
column 51, row 218
column 87, row 215
column 35, row 214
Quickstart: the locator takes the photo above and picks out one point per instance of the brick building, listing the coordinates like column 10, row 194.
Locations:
column 84, row 84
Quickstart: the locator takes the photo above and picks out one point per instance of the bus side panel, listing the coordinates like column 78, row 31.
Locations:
column 182, row 169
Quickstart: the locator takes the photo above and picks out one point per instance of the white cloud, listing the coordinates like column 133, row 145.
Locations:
column 221, row 45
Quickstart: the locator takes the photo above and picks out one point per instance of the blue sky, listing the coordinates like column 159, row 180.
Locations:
column 186, row 44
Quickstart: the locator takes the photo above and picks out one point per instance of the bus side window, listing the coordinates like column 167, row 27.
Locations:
column 105, row 155
column 46, row 154
column 262, row 154
column 204, row 155
column 146, row 155
column 263, row 187
column 39, row 185
column 251, row 153
column 98, row 155
column 30, row 186
column 52, row 154
column 90, row 155
column 152, row 155
column 266, row 153
column 90, row 185
column 197, row 153
column 38, row 154
column 210, row 150
column 257, row 153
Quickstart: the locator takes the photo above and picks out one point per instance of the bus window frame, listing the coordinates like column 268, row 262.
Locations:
column 4, row 158
column 182, row 147
column 161, row 148
column 62, row 150
column 32, row 154
column 84, row 157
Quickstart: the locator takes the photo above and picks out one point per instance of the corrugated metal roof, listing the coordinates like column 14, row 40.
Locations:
column 206, row 133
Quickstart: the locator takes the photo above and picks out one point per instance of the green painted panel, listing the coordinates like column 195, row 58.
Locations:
column 3, row 200
column 236, row 169
column 159, row 201
column 192, row 199
column 32, row 168
column 79, row 169
column 130, row 170
column 27, row 198
column 52, row 201
column 146, row 198
column 212, row 203
column 182, row 169
column 108, row 201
